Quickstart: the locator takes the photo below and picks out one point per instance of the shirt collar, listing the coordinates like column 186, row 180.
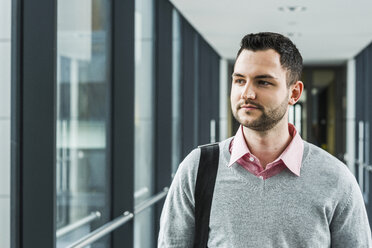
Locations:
column 238, row 146
column 291, row 156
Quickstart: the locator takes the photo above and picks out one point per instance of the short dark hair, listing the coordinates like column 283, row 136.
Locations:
column 290, row 57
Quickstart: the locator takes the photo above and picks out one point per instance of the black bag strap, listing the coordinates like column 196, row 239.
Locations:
column 204, row 188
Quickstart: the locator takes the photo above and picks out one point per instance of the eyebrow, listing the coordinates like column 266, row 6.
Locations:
column 237, row 75
column 256, row 77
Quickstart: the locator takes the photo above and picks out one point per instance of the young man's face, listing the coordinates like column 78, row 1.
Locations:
column 259, row 92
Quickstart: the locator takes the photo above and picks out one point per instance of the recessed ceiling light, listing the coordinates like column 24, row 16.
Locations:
column 292, row 8
column 294, row 34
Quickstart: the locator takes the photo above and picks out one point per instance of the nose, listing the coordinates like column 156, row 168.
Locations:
column 248, row 92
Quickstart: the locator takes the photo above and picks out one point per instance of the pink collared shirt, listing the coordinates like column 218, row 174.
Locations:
column 291, row 157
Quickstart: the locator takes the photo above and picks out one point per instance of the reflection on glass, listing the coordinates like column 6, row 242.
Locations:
column 82, row 107
column 298, row 117
column 291, row 116
column 176, row 91
column 144, row 121
column 322, row 112
column 295, row 116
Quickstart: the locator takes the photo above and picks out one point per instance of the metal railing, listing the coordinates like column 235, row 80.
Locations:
column 367, row 167
column 138, row 209
column 86, row 220
column 119, row 221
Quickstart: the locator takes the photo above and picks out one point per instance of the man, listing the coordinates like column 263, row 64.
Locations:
column 272, row 188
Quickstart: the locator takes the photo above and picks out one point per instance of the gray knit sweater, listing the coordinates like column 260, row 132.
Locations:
column 321, row 208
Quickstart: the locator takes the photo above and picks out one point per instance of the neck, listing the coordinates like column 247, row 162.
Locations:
column 268, row 145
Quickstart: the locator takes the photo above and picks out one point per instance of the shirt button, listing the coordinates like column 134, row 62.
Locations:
column 251, row 159
column 260, row 177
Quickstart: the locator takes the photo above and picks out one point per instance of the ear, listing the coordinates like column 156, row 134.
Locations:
column 295, row 92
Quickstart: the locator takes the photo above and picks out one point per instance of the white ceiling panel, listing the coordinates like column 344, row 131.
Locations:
column 328, row 31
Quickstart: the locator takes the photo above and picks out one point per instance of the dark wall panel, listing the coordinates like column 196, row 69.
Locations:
column 363, row 114
column 33, row 123
column 359, row 103
column 187, row 87
column 163, row 93
column 208, row 91
column 163, row 101
column 205, row 93
column 200, row 89
column 215, row 87
column 340, row 125
column 122, row 136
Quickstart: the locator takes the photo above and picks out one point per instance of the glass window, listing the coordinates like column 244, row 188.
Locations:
column 82, row 172
column 144, row 121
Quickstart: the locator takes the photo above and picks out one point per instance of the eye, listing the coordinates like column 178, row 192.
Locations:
column 264, row 83
column 239, row 81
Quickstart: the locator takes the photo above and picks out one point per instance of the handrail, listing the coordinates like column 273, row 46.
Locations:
column 141, row 192
column 368, row 167
column 64, row 230
column 117, row 222
column 140, row 207
column 102, row 231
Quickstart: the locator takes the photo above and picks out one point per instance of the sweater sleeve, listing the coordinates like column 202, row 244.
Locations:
column 349, row 226
column 177, row 218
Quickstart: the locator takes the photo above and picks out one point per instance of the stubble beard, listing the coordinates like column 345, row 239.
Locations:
column 268, row 119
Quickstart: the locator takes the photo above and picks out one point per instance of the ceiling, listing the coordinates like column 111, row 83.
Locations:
column 326, row 32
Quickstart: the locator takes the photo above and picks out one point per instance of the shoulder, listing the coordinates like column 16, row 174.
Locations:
column 322, row 160
column 188, row 169
column 326, row 169
column 336, row 188
column 223, row 145
column 224, row 150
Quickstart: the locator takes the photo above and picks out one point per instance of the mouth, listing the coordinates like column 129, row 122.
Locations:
column 249, row 107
